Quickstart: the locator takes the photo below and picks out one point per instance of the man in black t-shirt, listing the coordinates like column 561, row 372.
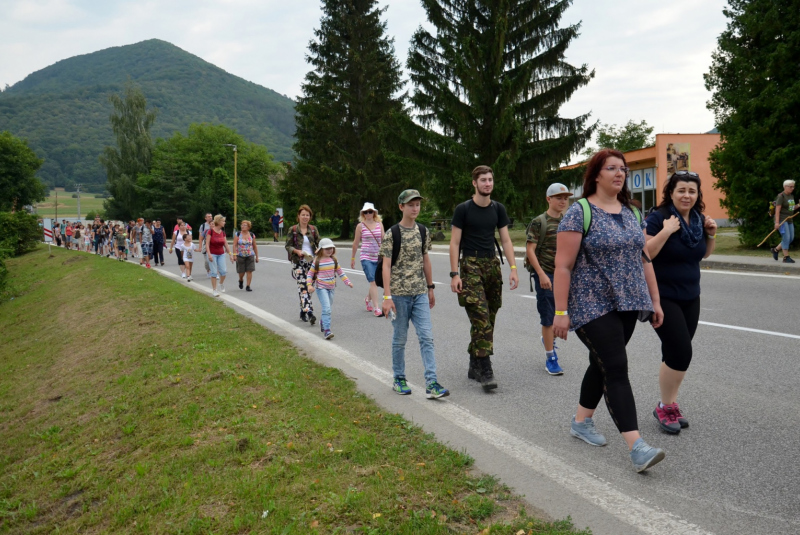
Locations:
column 479, row 283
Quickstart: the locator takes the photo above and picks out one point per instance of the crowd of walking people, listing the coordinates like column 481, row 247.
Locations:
column 598, row 268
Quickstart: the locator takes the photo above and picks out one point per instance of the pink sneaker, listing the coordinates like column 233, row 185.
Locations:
column 378, row 313
column 369, row 305
column 681, row 419
column 667, row 418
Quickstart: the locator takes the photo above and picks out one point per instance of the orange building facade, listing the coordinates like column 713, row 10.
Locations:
column 651, row 166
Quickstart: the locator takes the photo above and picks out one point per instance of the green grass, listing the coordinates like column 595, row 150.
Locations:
column 131, row 404
column 67, row 206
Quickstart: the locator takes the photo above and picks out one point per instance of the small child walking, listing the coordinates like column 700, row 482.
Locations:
column 322, row 277
column 188, row 249
column 119, row 240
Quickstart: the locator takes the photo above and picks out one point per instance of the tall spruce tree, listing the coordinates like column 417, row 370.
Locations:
column 131, row 123
column 489, row 84
column 755, row 82
column 348, row 99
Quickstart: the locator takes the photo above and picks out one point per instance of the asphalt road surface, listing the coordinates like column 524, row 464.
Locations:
column 733, row 471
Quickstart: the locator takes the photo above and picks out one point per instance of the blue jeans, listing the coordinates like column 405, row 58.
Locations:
column 326, row 301
column 545, row 302
column 369, row 269
column 417, row 309
column 217, row 264
column 787, row 234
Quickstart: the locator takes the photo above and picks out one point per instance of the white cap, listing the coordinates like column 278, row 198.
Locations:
column 368, row 206
column 324, row 243
column 557, row 188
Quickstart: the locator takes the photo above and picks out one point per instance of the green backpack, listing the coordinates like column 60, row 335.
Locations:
column 587, row 215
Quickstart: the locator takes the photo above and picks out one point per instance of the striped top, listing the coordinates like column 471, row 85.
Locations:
column 326, row 276
column 370, row 242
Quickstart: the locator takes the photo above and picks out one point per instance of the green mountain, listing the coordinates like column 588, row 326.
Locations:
column 63, row 110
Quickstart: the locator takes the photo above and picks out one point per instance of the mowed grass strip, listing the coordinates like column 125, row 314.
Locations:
column 132, row 404
column 67, row 206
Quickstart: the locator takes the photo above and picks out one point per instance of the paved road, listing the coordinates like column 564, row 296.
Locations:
column 734, row 471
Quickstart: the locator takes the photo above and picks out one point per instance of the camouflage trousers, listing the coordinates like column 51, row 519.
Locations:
column 482, row 296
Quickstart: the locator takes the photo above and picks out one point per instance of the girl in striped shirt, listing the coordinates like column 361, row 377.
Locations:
column 322, row 277
column 369, row 234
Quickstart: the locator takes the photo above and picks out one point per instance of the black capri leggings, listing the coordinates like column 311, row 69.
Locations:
column 607, row 374
column 179, row 254
column 677, row 332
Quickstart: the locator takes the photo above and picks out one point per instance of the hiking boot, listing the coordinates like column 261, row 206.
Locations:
column 551, row 363
column 483, row 372
column 667, row 418
column 303, row 317
column 401, row 386
column 473, row 371
column 788, row 260
column 643, row 456
column 434, row 390
column 312, row 318
column 681, row 418
column 328, row 334
column 587, row 432
column 774, row 252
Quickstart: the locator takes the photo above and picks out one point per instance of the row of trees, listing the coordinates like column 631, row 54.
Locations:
column 487, row 88
column 184, row 175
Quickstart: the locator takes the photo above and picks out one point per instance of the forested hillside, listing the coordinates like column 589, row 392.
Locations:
column 63, row 110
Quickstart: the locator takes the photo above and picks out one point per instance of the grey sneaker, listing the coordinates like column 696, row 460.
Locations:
column 587, row 432
column 643, row 456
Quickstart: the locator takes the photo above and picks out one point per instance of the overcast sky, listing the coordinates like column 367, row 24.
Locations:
column 649, row 56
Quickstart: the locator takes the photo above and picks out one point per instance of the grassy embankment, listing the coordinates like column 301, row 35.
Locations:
column 131, row 404
column 67, row 206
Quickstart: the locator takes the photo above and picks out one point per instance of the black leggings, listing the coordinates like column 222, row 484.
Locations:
column 158, row 252
column 677, row 331
column 607, row 374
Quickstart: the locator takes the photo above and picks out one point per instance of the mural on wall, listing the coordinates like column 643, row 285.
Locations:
column 678, row 157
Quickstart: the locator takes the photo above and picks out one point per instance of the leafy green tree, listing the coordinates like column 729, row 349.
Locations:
column 193, row 174
column 489, row 85
column 756, row 103
column 18, row 165
column 131, row 123
column 19, row 233
column 348, row 100
column 630, row 136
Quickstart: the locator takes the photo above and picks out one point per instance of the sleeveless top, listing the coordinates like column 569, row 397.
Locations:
column 370, row 243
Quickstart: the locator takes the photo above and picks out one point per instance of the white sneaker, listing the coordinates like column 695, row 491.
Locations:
column 215, row 293
column 222, row 288
column 183, row 275
column 189, row 278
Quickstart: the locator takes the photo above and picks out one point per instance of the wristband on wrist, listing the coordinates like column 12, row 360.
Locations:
column 561, row 313
column 385, row 297
column 712, row 236
column 513, row 267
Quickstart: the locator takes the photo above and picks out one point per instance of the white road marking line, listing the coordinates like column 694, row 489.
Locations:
column 749, row 274
column 631, row 510
column 747, row 329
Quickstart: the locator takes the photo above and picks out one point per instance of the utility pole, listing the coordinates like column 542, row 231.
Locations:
column 56, row 205
column 235, row 196
column 78, row 187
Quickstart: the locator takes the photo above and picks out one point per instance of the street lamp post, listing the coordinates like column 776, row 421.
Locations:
column 235, row 196
column 78, row 188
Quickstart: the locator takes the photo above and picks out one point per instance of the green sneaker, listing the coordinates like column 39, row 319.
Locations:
column 435, row 390
column 401, row 386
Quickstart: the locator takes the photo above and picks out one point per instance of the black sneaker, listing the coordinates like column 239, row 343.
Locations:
column 303, row 317
column 774, row 252
column 241, row 285
column 247, row 288
column 313, row 319
column 788, row 260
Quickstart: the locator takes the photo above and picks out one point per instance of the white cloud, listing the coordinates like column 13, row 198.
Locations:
column 649, row 56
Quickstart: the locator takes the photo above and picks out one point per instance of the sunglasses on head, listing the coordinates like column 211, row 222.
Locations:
column 687, row 173
column 368, row 212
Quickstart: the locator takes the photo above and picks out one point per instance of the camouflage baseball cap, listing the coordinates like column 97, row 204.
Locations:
column 408, row 196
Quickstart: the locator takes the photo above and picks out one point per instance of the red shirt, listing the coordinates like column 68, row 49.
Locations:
column 216, row 242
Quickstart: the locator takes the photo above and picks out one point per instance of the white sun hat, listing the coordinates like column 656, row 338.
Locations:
column 324, row 243
column 368, row 206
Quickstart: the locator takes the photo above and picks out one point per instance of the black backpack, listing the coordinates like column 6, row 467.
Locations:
column 395, row 230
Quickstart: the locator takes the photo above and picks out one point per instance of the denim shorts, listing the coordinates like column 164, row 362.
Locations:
column 147, row 249
column 369, row 268
column 545, row 301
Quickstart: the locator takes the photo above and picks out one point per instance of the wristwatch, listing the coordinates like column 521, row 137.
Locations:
column 453, row 274
column 431, row 286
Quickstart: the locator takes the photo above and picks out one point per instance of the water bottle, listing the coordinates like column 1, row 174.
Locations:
column 392, row 315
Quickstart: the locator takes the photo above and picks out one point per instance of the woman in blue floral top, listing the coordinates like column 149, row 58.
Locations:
column 603, row 283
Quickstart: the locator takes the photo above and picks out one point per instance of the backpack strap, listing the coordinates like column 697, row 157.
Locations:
column 395, row 230
column 542, row 218
column 587, row 215
column 423, row 233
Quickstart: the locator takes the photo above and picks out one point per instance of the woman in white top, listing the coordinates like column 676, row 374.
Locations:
column 177, row 239
column 369, row 234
